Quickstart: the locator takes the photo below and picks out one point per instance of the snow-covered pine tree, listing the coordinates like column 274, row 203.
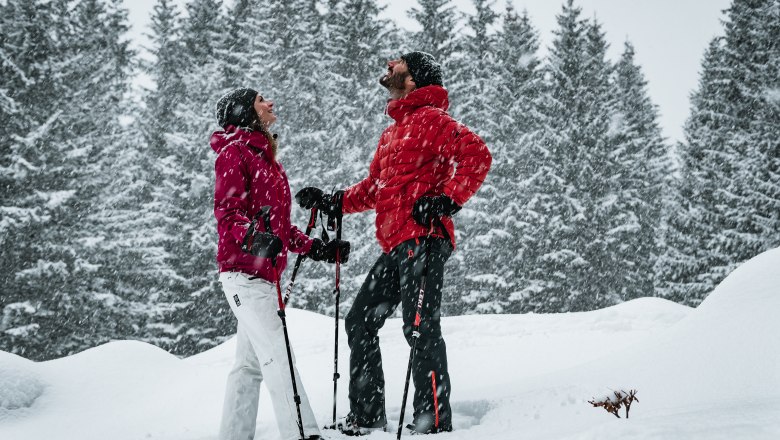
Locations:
column 438, row 28
column 196, row 316
column 548, row 245
column 67, row 128
column 474, row 84
column 766, row 130
column 686, row 256
column 516, row 114
column 643, row 162
column 751, row 53
column 471, row 77
column 235, row 52
column 600, row 225
column 285, row 65
column 728, row 190
column 141, row 218
column 570, row 205
column 166, row 71
column 26, row 46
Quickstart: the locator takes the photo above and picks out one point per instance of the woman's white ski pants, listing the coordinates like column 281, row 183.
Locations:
column 260, row 355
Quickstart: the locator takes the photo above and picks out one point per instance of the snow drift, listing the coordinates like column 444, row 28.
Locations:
column 705, row 373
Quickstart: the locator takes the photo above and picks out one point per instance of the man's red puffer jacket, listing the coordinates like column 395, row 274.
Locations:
column 424, row 153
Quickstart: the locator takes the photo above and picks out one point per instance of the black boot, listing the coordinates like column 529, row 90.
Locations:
column 411, row 429
column 349, row 426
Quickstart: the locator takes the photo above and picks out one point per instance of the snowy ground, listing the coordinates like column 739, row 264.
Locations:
column 706, row 373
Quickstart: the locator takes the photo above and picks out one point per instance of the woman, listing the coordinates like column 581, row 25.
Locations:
column 248, row 177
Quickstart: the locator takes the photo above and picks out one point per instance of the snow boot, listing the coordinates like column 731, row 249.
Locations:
column 411, row 429
column 349, row 426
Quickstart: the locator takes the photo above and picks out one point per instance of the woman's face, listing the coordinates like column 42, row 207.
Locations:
column 265, row 110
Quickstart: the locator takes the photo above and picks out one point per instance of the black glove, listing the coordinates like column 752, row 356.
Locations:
column 427, row 208
column 321, row 251
column 311, row 197
column 265, row 245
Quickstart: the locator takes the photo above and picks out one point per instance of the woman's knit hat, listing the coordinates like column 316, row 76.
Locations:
column 237, row 108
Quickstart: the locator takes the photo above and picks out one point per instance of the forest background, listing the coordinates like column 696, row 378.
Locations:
column 106, row 223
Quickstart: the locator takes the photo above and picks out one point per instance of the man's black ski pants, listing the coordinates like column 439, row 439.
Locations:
column 395, row 278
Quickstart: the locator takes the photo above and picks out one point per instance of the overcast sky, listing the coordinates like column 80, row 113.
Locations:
column 669, row 36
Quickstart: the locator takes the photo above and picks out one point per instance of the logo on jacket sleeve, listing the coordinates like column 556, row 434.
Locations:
column 238, row 301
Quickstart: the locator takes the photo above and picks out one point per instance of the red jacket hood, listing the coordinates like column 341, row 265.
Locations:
column 221, row 139
column 432, row 96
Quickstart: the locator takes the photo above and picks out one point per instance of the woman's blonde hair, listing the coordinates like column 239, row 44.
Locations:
column 258, row 126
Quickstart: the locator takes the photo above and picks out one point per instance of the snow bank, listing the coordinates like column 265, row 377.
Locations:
column 728, row 348
column 714, row 374
column 20, row 384
column 706, row 373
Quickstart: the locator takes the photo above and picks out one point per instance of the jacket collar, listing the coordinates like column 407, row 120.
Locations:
column 428, row 96
column 221, row 139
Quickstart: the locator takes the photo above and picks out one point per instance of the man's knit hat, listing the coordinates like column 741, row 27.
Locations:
column 424, row 68
column 237, row 108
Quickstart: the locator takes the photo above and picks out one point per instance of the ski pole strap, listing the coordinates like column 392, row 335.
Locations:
column 249, row 237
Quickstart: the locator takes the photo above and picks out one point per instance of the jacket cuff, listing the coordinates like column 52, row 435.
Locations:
column 307, row 246
column 239, row 231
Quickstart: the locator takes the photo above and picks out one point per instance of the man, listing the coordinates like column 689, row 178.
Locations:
column 426, row 166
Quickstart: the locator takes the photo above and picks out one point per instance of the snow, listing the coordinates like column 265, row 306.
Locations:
column 56, row 198
column 773, row 95
column 20, row 386
column 707, row 373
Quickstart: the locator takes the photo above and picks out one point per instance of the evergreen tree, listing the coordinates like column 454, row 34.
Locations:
column 549, row 251
column 165, row 71
column 728, row 191
column 570, row 267
column 643, row 163
column 473, row 83
column 438, row 25
column 686, row 256
column 195, row 314
column 237, row 48
column 141, row 218
column 516, row 113
column 26, row 46
column 64, row 127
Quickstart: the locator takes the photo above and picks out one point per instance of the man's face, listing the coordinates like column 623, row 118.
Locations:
column 395, row 80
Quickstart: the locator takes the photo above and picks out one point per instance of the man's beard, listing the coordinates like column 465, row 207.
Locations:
column 394, row 81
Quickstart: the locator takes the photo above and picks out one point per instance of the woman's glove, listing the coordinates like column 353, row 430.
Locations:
column 265, row 245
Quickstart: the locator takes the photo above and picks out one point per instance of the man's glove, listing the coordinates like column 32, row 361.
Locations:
column 427, row 208
column 321, row 251
column 311, row 197
column 265, row 245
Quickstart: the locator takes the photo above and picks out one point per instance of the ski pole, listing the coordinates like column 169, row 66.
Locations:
column 417, row 319
column 266, row 213
column 309, row 227
column 337, row 291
